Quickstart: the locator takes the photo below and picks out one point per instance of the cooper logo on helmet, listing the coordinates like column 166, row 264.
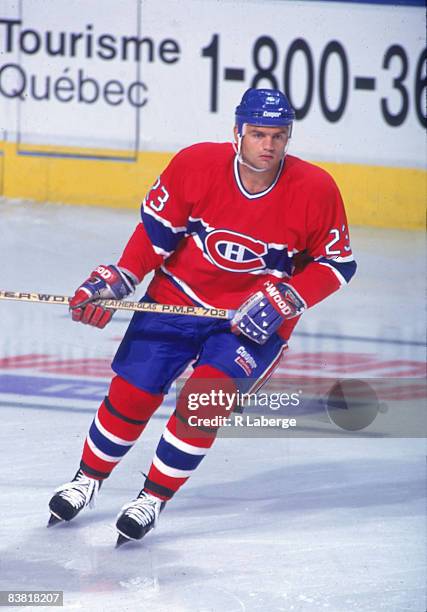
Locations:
column 264, row 107
column 270, row 114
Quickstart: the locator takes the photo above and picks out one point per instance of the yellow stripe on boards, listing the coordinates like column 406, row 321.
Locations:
column 382, row 196
column 374, row 195
column 1, row 167
column 74, row 180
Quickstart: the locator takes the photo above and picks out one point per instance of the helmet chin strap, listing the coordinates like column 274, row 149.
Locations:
column 238, row 150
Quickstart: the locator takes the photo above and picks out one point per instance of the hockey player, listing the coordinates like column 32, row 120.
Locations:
column 242, row 226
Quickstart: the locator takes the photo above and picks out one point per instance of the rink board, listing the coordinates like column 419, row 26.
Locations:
column 374, row 195
column 95, row 97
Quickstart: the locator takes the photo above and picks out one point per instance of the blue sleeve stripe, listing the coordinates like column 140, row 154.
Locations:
column 278, row 259
column 145, row 209
column 175, row 458
column 345, row 270
column 160, row 235
column 197, row 226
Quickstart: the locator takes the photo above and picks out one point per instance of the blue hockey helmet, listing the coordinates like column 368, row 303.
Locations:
column 264, row 107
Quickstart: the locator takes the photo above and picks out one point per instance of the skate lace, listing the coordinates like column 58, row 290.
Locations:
column 143, row 510
column 78, row 494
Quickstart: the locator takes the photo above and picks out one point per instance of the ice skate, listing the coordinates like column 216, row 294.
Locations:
column 71, row 497
column 138, row 517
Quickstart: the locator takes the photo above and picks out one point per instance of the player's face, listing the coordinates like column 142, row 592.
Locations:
column 263, row 147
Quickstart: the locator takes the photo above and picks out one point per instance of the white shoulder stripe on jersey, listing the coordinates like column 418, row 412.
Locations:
column 343, row 259
column 199, row 243
column 272, row 271
column 337, row 259
column 160, row 251
column 254, row 196
column 207, row 227
column 282, row 247
column 165, row 222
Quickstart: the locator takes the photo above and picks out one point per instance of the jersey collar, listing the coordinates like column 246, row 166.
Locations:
column 260, row 194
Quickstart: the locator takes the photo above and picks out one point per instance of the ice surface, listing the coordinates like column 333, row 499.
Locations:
column 286, row 524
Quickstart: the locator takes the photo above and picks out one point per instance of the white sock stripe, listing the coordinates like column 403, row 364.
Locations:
column 170, row 471
column 183, row 446
column 111, row 436
column 100, row 454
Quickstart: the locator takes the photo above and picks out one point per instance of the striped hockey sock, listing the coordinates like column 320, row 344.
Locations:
column 183, row 446
column 119, row 422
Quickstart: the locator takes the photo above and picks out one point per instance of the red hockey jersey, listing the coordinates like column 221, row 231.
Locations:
column 213, row 243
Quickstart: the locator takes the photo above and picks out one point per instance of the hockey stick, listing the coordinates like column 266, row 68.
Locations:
column 63, row 300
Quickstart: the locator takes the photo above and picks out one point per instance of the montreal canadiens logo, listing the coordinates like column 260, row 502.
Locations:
column 235, row 252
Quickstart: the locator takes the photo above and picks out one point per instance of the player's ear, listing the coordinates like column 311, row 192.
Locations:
column 236, row 133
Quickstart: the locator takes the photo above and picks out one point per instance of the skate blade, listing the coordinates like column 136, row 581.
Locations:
column 121, row 539
column 53, row 520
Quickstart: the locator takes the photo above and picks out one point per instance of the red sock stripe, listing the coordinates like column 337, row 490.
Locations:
column 132, row 402
column 187, row 434
column 117, row 426
column 163, row 481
